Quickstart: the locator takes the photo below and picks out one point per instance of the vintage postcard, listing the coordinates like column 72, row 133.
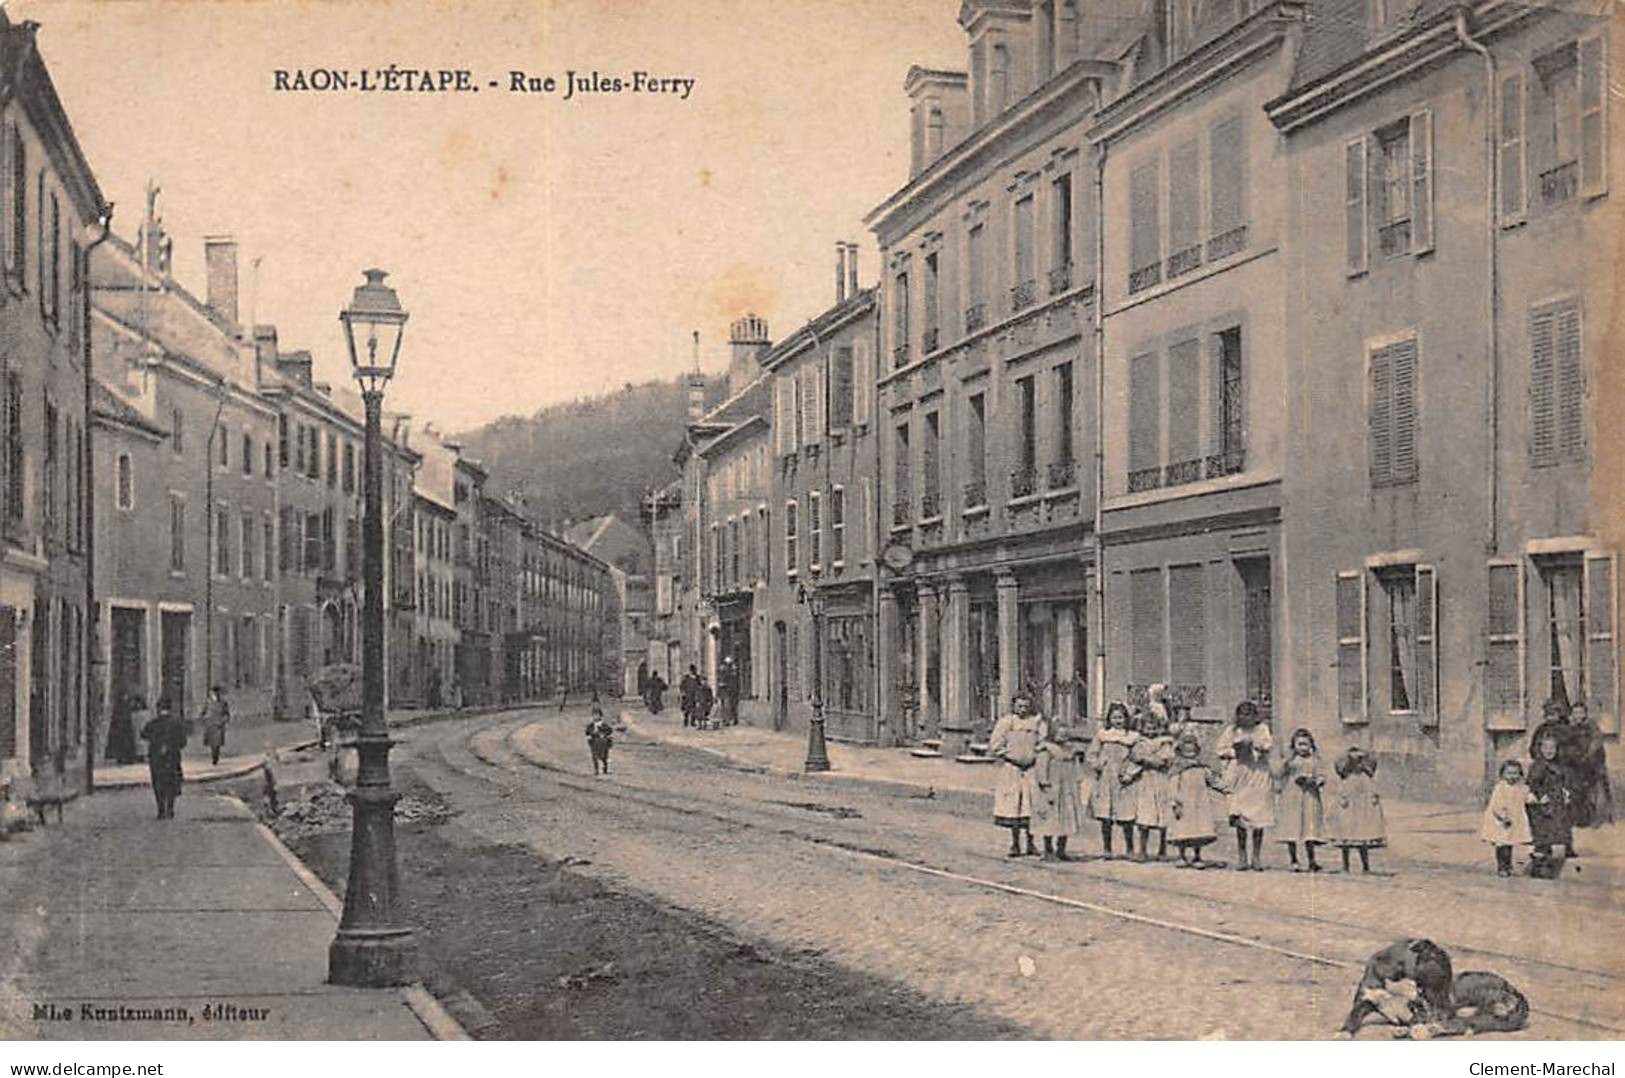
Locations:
column 897, row 520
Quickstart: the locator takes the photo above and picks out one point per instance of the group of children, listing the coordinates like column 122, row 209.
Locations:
column 1144, row 777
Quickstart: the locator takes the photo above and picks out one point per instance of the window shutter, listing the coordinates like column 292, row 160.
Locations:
column 1144, row 439
column 1145, row 233
column 1427, row 646
column 1187, row 629
column 781, row 415
column 1147, row 626
column 818, row 386
column 1354, row 205
column 1185, row 197
column 1570, row 388
column 863, row 382
column 1593, row 115
column 1504, row 648
column 1402, row 365
column 1227, row 177
column 1512, row 150
column 1381, row 408
column 1351, row 647
column 1184, row 402
column 1542, row 388
column 1602, row 642
column 1421, row 181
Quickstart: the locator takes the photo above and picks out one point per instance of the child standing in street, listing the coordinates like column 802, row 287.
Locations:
column 600, row 736
column 1246, row 744
column 1057, row 812
column 1506, row 817
column 1154, row 753
column 1113, row 801
column 1301, row 818
column 1549, row 825
column 1354, row 819
column 1191, row 804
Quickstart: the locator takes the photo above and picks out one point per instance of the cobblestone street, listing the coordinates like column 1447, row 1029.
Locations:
column 917, row 890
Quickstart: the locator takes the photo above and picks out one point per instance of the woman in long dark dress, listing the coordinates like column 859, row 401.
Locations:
column 1587, row 765
column 165, row 737
column 121, row 730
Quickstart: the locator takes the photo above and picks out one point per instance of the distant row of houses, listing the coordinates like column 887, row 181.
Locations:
column 182, row 496
column 1262, row 350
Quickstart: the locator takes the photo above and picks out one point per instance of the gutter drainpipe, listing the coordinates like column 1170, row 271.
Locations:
column 1100, row 429
column 87, row 472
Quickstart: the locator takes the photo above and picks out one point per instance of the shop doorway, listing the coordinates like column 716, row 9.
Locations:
column 1258, row 635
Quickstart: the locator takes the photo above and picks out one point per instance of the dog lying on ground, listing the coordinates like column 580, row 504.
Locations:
column 1411, row 985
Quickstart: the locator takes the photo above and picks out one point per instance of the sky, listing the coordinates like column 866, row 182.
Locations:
column 546, row 249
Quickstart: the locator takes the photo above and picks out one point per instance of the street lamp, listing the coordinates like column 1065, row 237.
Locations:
column 371, row 949
column 817, row 751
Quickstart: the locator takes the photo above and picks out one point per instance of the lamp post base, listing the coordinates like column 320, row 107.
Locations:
column 817, row 751
column 370, row 958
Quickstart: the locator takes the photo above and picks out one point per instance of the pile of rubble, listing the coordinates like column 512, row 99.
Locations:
column 322, row 809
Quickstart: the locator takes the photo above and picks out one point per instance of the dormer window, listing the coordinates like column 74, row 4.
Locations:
column 998, row 80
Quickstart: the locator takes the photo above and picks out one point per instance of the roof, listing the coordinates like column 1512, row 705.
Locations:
column 112, row 407
column 1338, row 33
column 23, row 73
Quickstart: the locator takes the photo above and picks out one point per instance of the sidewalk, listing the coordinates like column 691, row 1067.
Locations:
column 1435, row 833
column 204, row 927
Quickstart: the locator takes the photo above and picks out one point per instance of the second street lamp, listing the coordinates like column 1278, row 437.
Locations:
column 372, row 949
column 817, row 750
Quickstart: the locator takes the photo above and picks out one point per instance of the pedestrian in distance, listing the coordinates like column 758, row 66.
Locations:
column 129, row 714
column 728, row 692
column 1245, row 744
column 1153, row 754
column 688, row 693
column 1057, row 812
column 1549, row 824
column 216, row 714
column 165, row 737
column 1191, row 802
column 600, row 737
column 1506, row 817
column 1014, row 743
column 657, row 693
column 1354, row 819
column 1300, row 814
column 704, row 701
column 1113, row 802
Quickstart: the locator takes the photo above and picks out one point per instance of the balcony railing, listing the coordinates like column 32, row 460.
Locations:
column 929, row 343
column 1144, row 277
column 1144, row 479
column 1560, row 184
column 1227, row 243
column 899, row 355
column 975, row 317
column 1394, row 238
column 1023, row 295
column 1062, row 474
column 1184, row 261
column 975, row 493
column 1228, row 462
column 930, row 505
column 1184, row 471
column 1023, row 482
column 1060, row 278
column 902, row 511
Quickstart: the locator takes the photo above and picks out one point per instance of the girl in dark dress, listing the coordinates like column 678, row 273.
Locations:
column 1549, row 825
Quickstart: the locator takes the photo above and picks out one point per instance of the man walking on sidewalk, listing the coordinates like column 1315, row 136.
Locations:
column 216, row 714
column 165, row 737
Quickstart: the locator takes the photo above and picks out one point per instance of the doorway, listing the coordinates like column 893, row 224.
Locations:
column 176, row 628
column 781, row 679
column 1258, row 637
column 128, row 669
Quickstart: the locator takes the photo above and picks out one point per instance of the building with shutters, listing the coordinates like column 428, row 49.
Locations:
column 433, row 529
column 1453, row 524
column 52, row 206
column 662, row 512
column 987, row 387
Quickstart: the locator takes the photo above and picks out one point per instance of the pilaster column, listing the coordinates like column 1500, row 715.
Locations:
column 1006, row 588
column 956, row 721
column 888, row 715
column 928, row 693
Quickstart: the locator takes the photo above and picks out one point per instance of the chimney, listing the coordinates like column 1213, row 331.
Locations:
column 696, row 385
column 220, row 259
column 840, row 273
column 747, row 340
column 852, row 270
column 264, row 352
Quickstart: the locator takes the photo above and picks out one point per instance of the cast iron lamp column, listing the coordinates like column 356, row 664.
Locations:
column 372, row 949
column 817, row 751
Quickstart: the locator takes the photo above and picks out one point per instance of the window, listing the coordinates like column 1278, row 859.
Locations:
column 54, row 289
column 931, row 468
column 222, row 541
column 1023, row 479
column 270, row 468
column 792, row 552
column 16, row 251
column 266, row 547
column 837, row 526
column 246, row 538
column 976, row 451
column 815, row 531
column 785, row 389
column 1024, row 292
column 975, row 283
column 332, row 460
column 49, row 479
column 932, row 312
column 16, row 455
column 312, row 552
column 1393, row 190
column 1185, row 208
column 177, row 432
column 902, row 464
column 1144, row 423
column 125, row 484
column 1145, row 229
column 223, row 440
column 1351, row 647
column 1392, row 407
column 1187, row 628
column 1063, row 467
column 1556, row 386
column 1060, row 274
column 177, row 534
column 1147, row 659
column 900, row 341
column 734, row 552
column 840, row 389
column 1388, row 185
column 1184, row 413
column 349, row 467
column 1228, row 455
column 281, row 441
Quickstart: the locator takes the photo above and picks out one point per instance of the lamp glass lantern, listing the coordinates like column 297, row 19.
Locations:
column 373, row 325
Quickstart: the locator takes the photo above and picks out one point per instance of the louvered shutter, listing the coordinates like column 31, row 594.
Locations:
column 1511, row 150
column 1421, row 181
column 1569, row 361
column 1184, row 402
column 1145, row 236
column 1542, row 388
column 863, row 383
column 1147, row 626
column 1602, row 641
column 1402, row 364
column 1354, row 205
column 1144, row 437
column 783, row 421
column 1227, row 175
column 1427, row 646
column 1381, row 417
column 1593, row 115
column 818, row 390
column 1187, row 624
column 1184, row 199
column 1351, row 647
column 1504, row 648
